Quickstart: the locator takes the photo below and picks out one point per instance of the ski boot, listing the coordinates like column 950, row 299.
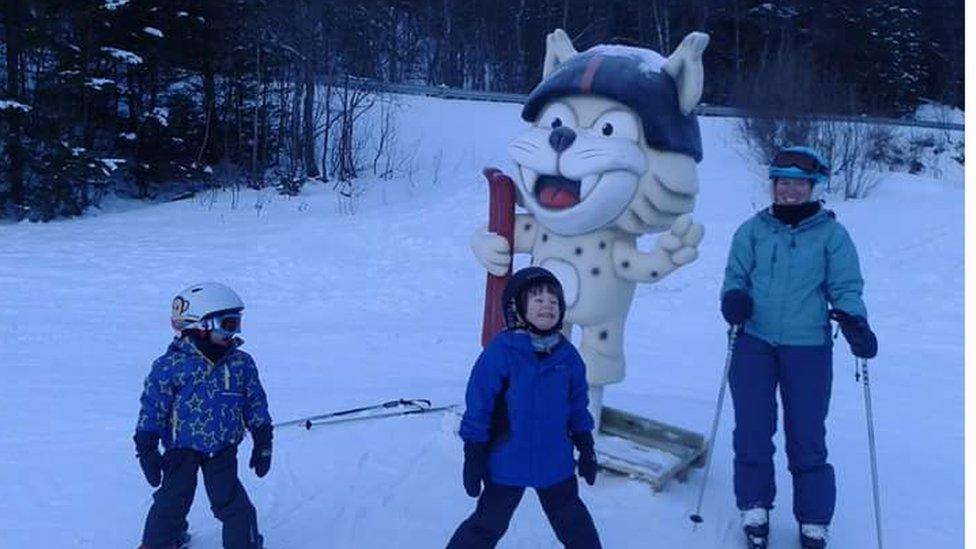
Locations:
column 813, row 536
column 755, row 525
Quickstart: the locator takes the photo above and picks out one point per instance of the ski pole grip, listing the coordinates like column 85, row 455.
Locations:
column 501, row 221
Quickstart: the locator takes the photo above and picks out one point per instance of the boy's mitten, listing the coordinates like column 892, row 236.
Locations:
column 587, row 456
column 151, row 461
column 863, row 342
column 261, row 453
column 736, row 306
column 475, row 466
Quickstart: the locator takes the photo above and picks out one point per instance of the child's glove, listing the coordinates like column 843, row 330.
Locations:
column 475, row 466
column 736, row 306
column 587, row 456
column 261, row 453
column 151, row 461
column 863, row 342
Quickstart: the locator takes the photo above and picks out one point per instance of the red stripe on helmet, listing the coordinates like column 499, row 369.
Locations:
column 590, row 73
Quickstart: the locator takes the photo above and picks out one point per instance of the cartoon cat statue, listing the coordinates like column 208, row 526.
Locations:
column 611, row 154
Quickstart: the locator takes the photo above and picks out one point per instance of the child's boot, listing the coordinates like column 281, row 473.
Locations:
column 755, row 525
column 813, row 536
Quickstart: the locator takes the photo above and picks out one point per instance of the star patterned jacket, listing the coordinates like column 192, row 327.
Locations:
column 191, row 402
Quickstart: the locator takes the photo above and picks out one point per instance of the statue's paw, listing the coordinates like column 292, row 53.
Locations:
column 681, row 242
column 492, row 251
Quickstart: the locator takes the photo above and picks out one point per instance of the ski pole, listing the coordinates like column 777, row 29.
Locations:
column 733, row 334
column 306, row 421
column 863, row 363
column 415, row 411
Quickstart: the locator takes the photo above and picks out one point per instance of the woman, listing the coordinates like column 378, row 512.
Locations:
column 787, row 264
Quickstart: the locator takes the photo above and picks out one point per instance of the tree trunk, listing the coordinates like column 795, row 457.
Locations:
column 520, row 62
column 308, row 110
column 12, row 28
column 308, row 116
column 209, row 103
column 325, row 134
column 87, row 129
column 738, row 35
column 255, row 140
column 659, row 28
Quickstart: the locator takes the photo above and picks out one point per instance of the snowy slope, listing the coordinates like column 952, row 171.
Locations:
column 345, row 310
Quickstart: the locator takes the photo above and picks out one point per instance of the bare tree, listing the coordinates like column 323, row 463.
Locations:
column 15, row 151
column 309, row 43
column 355, row 99
column 786, row 102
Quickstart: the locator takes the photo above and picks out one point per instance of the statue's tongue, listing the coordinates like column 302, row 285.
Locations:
column 556, row 198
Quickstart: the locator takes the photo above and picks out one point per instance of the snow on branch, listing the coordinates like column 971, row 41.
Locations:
column 99, row 83
column 109, row 165
column 7, row 104
column 126, row 57
column 161, row 115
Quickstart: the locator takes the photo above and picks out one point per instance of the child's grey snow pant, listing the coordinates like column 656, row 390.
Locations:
column 561, row 502
column 228, row 500
column 804, row 375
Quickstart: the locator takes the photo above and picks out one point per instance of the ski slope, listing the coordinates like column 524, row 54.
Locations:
column 347, row 310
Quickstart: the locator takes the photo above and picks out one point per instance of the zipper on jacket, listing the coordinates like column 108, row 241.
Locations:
column 226, row 378
column 789, row 274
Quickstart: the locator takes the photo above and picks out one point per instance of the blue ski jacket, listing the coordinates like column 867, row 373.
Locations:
column 546, row 400
column 191, row 402
column 792, row 273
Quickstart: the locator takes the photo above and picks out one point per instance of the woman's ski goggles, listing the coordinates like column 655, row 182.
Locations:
column 805, row 162
column 224, row 323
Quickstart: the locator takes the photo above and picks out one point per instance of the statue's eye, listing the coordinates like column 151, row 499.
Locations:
column 556, row 115
column 620, row 124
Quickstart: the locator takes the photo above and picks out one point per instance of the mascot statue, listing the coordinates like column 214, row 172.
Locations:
column 610, row 155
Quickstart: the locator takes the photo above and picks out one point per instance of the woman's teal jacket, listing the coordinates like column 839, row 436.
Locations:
column 793, row 274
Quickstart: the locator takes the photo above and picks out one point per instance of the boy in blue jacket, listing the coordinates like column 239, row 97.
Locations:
column 526, row 409
column 786, row 267
column 198, row 399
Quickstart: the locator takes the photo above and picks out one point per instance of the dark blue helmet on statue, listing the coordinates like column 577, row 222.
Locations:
column 634, row 77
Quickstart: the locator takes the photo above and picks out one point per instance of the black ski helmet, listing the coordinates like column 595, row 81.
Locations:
column 513, row 298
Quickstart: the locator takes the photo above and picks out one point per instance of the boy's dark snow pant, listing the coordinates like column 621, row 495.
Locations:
column 561, row 503
column 228, row 500
column 804, row 375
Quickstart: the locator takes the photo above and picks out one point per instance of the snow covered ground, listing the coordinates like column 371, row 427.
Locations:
column 344, row 310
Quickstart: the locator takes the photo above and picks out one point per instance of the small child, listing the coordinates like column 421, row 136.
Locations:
column 198, row 399
column 526, row 409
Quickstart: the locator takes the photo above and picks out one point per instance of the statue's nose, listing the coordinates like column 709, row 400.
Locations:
column 561, row 138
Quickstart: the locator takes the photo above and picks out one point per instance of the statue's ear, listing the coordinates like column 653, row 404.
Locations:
column 559, row 48
column 685, row 66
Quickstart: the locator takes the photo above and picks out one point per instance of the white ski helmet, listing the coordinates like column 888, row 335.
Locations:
column 200, row 301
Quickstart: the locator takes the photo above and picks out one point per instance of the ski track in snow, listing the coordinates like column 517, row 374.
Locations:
column 346, row 310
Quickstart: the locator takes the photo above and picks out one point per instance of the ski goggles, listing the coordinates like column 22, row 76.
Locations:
column 805, row 162
column 224, row 323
